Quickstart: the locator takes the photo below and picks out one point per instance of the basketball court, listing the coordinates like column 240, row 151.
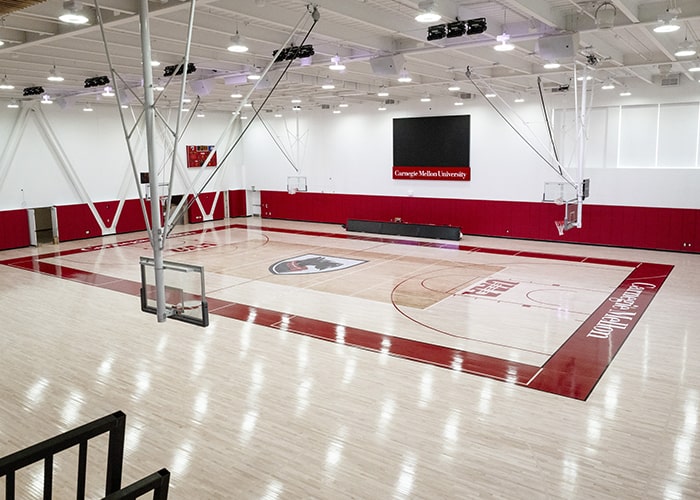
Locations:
column 538, row 320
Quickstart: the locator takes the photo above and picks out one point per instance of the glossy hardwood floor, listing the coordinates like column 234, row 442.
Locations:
column 345, row 384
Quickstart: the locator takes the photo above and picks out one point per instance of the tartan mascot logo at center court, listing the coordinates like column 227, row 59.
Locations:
column 312, row 263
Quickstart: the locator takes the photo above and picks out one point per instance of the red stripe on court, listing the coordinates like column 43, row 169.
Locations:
column 575, row 368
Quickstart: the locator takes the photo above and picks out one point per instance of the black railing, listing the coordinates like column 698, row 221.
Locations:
column 115, row 425
column 156, row 482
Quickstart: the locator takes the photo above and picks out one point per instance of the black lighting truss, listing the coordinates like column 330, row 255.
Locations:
column 457, row 28
column 293, row 52
column 97, row 81
column 177, row 69
column 33, row 91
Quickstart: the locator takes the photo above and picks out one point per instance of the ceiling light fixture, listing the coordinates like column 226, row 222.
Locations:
column 685, row 49
column 425, row 98
column 625, row 93
column 13, row 104
column 236, row 95
column 605, row 15
column 608, row 85
column 335, row 64
column 459, row 103
column 693, row 69
column 328, row 85
column 5, row 85
column 237, row 44
column 54, row 75
column 46, row 99
column 405, row 77
column 519, row 99
column 504, row 38
column 504, row 45
column 490, row 95
column 72, row 13
column 87, row 108
column 668, row 21
column 108, row 92
column 382, row 92
column 551, row 65
column 254, row 74
column 343, row 105
column 2, row 43
column 427, row 12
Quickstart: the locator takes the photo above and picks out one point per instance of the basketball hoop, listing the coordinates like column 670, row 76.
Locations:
column 561, row 225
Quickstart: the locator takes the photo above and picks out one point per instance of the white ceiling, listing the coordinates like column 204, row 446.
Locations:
column 356, row 30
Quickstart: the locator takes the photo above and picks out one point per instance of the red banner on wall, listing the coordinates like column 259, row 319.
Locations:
column 433, row 173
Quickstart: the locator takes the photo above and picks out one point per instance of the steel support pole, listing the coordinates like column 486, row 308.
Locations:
column 149, row 109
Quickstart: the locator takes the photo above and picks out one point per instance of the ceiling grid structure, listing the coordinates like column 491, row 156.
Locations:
column 358, row 32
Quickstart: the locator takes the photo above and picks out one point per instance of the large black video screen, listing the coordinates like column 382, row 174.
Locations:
column 432, row 141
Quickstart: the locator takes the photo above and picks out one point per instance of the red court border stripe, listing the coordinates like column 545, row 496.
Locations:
column 575, row 368
column 572, row 371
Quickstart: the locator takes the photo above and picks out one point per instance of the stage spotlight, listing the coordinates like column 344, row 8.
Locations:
column 293, row 52
column 437, row 32
column 33, row 91
column 456, row 28
column 97, row 81
column 476, row 26
column 177, row 69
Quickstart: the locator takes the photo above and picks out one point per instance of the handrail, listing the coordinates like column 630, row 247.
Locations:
column 114, row 424
column 156, row 482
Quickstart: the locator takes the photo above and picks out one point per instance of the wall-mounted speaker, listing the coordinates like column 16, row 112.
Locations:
column 387, row 65
column 560, row 48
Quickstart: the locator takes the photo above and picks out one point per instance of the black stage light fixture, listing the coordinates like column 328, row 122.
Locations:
column 456, row 28
column 437, row 32
column 306, row 51
column 476, row 26
column 33, row 91
column 293, row 52
column 177, row 69
column 97, row 81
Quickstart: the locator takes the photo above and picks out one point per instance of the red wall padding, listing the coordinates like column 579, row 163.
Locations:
column 237, row 203
column 14, row 229
column 131, row 218
column 194, row 214
column 76, row 222
column 636, row 227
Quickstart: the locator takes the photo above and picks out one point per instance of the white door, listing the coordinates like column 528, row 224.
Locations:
column 32, row 227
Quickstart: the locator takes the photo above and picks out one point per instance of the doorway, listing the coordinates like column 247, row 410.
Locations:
column 42, row 226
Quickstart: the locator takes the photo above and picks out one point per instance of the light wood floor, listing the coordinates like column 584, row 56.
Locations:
column 240, row 410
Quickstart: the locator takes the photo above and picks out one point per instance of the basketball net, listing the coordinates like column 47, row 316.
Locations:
column 561, row 225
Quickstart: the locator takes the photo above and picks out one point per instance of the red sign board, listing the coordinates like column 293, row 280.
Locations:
column 433, row 173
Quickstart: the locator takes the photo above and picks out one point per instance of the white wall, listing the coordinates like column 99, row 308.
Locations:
column 346, row 153
column 94, row 149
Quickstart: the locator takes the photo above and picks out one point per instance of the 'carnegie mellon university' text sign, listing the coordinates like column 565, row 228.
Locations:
column 433, row 173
